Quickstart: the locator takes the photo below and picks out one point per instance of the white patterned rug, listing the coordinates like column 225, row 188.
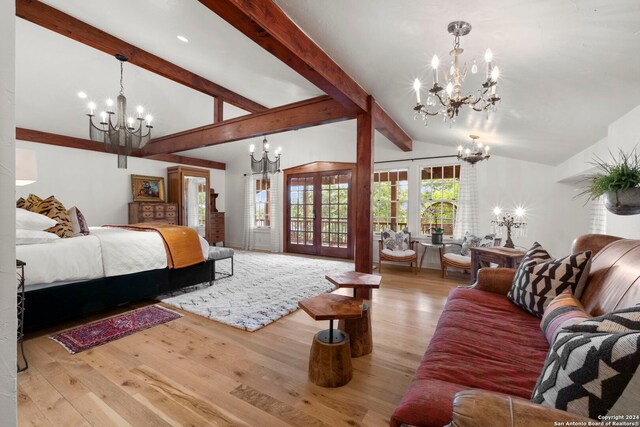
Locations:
column 264, row 288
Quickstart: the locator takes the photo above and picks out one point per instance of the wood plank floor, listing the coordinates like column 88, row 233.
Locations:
column 196, row 372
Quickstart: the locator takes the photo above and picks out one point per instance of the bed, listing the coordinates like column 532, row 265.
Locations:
column 111, row 266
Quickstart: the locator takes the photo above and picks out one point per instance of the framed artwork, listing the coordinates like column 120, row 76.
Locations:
column 147, row 188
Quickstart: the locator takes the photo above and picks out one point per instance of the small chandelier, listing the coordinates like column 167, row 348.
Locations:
column 447, row 101
column 124, row 135
column 474, row 152
column 264, row 165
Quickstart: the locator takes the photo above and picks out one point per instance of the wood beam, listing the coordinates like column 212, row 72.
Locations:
column 85, row 144
column 48, row 17
column 299, row 115
column 218, row 108
column 267, row 25
column 364, row 177
column 389, row 128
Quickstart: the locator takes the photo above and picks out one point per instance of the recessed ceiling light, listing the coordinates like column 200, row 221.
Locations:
column 82, row 95
column 183, row 39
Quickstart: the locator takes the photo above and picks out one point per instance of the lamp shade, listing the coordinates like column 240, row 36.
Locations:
column 26, row 166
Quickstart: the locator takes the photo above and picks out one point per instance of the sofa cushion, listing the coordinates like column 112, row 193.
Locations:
column 564, row 310
column 482, row 341
column 539, row 278
column 593, row 368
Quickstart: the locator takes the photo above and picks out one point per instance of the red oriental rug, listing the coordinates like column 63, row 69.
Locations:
column 106, row 330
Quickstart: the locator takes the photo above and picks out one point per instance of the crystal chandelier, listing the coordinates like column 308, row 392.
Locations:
column 123, row 135
column 264, row 165
column 474, row 152
column 448, row 100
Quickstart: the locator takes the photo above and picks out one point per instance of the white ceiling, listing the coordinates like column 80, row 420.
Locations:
column 569, row 68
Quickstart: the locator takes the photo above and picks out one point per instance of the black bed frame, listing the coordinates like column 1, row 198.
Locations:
column 65, row 302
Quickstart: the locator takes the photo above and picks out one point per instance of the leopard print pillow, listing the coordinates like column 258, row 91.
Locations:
column 32, row 202
column 55, row 210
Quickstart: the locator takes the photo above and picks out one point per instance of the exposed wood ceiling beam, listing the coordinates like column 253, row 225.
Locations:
column 267, row 25
column 85, row 144
column 48, row 17
column 311, row 112
column 389, row 128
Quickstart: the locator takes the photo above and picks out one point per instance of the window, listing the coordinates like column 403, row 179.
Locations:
column 390, row 199
column 439, row 198
column 262, row 202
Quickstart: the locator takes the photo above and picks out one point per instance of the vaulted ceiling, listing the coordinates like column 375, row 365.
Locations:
column 569, row 68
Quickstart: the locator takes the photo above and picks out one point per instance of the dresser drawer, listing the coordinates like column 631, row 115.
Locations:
column 147, row 215
column 159, row 214
column 146, row 208
column 170, row 214
column 171, row 207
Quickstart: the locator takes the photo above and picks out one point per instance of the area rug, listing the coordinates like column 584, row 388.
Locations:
column 264, row 288
column 106, row 330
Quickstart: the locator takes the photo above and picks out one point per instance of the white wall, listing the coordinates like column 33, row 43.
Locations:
column 92, row 181
column 7, row 216
column 502, row 181
column 623, row 134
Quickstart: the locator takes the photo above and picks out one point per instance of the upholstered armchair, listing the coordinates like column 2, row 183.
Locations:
column 409, row 255
column 450, row 256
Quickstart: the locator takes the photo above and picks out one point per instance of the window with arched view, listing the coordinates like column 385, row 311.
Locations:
column 390, row 199
column 439, row 198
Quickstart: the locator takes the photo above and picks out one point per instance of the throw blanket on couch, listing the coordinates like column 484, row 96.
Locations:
column 181, row 243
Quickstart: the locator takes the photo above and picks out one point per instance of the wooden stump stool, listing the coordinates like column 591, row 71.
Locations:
column 330, row 356
column 359, row 332
column 330, row 363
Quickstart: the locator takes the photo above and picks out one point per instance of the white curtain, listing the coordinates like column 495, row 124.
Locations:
column 597, row 216
column 468, row 208
column 249, row 238
column 193, row 210
column 275, row 213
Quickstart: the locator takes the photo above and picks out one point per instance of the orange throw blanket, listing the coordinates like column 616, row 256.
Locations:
column 181, row 243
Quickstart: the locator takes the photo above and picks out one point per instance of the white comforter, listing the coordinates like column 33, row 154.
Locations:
column 105, row 252
column 78, row 258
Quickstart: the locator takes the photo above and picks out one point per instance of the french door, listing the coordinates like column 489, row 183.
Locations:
column 319, row 214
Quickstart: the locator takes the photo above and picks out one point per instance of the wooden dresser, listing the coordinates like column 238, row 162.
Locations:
column 153, row 212
column 216, row 227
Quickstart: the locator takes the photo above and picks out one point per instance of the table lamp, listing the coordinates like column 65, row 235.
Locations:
column 510, row 221
column 26, row 167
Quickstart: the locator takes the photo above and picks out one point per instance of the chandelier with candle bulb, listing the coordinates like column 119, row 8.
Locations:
column 448, row 100
column 474, row 151
column 120, row 133
column 264, row 165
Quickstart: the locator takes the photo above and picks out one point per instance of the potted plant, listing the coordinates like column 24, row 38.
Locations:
column 618, row 181
column 436, row 236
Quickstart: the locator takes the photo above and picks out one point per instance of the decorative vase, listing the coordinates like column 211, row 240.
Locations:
column 625, row 202
column 436, row 238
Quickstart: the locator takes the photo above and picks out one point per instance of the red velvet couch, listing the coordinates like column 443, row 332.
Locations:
column 485, row 342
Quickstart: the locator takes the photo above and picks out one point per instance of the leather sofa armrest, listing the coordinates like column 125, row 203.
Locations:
column 479, row 408
column 496, row 280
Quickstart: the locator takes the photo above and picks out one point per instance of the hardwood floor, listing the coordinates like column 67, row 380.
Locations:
column 196, row 372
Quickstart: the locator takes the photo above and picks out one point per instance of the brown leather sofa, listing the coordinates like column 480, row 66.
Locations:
column 474, row 376
column 614, row 283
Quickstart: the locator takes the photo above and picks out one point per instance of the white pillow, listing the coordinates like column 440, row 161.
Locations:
column 30, row 237
column 27, row 220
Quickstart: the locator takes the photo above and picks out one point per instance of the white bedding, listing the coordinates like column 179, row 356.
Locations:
column 77, row 258
column 103, row 253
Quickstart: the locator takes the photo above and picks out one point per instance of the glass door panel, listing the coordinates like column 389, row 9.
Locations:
column 319, row 214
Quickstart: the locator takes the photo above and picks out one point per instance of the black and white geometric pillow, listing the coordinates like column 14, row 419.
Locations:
column 592, row 368
column 540, row 278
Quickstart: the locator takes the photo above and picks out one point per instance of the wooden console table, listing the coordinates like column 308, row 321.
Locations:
column 504, row 257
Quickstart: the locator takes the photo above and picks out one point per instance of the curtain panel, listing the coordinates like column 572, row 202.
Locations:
column 468, row 206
